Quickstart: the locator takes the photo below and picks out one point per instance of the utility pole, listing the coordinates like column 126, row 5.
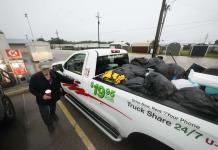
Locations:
column 161, row 21
column 58, row 38
column 26, row 36
column 98, row 17
column 26, row 16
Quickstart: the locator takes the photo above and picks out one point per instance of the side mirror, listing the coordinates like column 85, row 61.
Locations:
column 58, row 67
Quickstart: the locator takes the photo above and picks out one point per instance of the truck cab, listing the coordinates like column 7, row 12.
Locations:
column 84, row 65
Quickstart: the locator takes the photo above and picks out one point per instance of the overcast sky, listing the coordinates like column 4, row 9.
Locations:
column 121, row 20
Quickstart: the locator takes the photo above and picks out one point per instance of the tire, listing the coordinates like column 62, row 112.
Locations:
column 9, row 110
column 141, row 141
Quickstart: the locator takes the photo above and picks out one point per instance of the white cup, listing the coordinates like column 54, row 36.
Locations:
column 48, row 92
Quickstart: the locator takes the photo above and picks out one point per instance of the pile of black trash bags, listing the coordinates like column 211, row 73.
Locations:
column 152, row 77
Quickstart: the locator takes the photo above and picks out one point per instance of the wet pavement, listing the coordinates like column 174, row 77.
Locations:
column 13, row 136
column 28, row 132
column 183, row 61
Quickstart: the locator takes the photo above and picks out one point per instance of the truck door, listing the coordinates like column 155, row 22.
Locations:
column 74, row 69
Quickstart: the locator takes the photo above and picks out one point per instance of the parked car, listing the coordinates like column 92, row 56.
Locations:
column 7, row 111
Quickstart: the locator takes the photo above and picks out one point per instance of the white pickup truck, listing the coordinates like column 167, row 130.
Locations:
column 120, row 114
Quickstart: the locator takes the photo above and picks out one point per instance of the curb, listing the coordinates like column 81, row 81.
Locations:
column 17, row 92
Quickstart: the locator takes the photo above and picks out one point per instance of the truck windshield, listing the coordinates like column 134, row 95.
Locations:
column 109, row 62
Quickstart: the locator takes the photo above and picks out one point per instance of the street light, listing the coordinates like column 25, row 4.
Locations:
column 26, row 16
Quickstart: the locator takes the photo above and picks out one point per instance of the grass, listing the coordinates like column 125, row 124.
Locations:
column 184, row 53
column 212, row 55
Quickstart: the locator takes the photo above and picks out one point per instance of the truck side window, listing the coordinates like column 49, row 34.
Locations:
column 75, row 63
column 105, row 63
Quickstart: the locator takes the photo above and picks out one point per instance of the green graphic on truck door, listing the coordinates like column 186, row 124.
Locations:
column 102, row 92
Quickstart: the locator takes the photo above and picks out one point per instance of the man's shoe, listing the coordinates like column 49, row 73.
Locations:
column 51, row 128
column 54, row 117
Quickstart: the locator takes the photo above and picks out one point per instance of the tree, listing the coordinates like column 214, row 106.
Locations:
column 57, row 41
column 41, row 39
column 216, row 42
column 187, row 47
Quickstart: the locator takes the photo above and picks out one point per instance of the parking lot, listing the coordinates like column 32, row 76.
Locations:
column 183, row 61
column 28, row 132
column 72, row 130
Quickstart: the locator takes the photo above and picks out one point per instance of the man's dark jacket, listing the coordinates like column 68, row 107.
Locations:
column 39, row 84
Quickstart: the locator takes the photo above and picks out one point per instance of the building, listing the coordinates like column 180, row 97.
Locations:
column 12, row 67
column 32, row 52
column 140, row 47
column 18, row 44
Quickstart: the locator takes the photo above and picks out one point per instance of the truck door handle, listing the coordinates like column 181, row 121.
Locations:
column 77, row 82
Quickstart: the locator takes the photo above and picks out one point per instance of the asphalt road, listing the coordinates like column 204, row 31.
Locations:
column 28, row 132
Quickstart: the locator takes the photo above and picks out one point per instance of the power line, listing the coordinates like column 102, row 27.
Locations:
column 166, row 26
column 194, row 22
column 185, row 28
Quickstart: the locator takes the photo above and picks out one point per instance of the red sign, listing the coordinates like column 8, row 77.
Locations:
column 13, row 53
column 18, row 68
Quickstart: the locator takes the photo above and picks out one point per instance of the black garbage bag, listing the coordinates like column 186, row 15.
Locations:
column 214, row 97
column 211, row 71
column 125, row 88
column 142, row 62
column 196, row 100
column 153, row 62
column 131, row 71
column 158, row 85
column 170, row 71
column 127, row 72
column 195, row 67
column 136, row 84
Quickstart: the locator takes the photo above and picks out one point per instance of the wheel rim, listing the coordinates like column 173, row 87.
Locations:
column 8, row 108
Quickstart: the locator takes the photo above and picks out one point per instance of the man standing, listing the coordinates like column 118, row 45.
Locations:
column 45, row 85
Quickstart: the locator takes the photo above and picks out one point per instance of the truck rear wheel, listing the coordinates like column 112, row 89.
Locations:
column 142, row 141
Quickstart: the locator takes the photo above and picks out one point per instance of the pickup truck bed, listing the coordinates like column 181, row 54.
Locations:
column 166, row 102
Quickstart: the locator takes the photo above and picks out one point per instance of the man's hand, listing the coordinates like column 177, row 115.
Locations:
column 46, row 97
